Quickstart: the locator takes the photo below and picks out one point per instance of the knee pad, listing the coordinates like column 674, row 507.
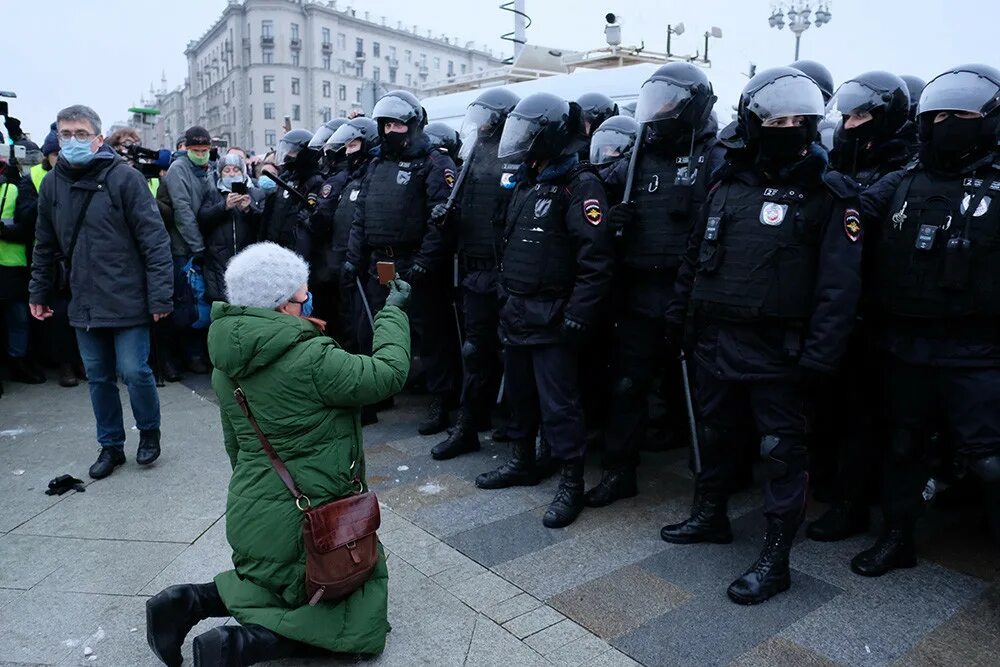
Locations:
column 987, row 469
column 903, row 445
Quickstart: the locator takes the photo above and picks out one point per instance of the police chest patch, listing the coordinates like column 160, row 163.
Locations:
column 354, row 195
column 402, row 177
column 325, row 191
column 542, row 207
column 852, row 224
column 284, row 193
column 449, row 177
column 981, row 208
column 592, row 211
column 772, row 214
column 505, row 180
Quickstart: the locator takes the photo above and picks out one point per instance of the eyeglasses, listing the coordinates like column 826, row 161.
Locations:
column 79, row 135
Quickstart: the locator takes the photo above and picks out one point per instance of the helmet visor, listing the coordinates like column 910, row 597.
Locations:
column 519, row 134
column 320, row 138
column 787, row 96
column 606, row 146
column 393, row 108
column 661, row 100
column 286, row 150
column 958, row 91
column 855, row 97
column 479, row 122
column 341, row 137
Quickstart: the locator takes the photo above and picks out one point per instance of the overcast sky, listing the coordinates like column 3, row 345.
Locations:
column 106, row 54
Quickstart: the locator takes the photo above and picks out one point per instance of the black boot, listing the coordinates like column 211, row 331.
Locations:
column 893, row 549
column 708, row 522
column 169, row 371
column 841, row 521
column 235, row 645
column 110, row 458
column 198, row 366
column 22, row 370
column 568, row 502
column 769, row 575
column 500, row 434
column 545, row 464
column 436, row 419
column 67, row 376
column 618, row 482
column 149, row 447
column 172, row 612
column 519, row 471
column 462, row 439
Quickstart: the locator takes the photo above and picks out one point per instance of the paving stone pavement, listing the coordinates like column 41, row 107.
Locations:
column 475, row 579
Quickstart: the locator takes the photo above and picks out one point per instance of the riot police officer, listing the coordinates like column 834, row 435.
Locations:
column 287, row 217
column 318, row 143
column 597, row 108
column 392, row 223
column 773, row 278
column 937, row 303
column 819, row 73
column 554, row 273
column 915, row 85
column 873, row 109
column 478, row 222
column 611, row 142
column 444, row 137
column 676, row 158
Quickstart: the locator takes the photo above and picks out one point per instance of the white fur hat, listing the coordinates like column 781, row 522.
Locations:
column 265, row 275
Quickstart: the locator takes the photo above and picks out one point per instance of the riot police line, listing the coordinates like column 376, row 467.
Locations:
column 841, row 300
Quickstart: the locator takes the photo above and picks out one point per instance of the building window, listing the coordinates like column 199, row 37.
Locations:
column 326, row 61
column 359, row 45
column 342, row 93
column 325, row 114
column 296, row 112
column 267, row 28
column 359, row 70
column 326, row 89
column 392, row 52
column 357, row 96
column 267, row 56
column 250, row 85
column 326, row 35
column 423, row 60
column 295, row 58
column 269, row 138
column 392, row 75
column 451, row 68
column 376, row 49
column 464, row 68
column 268, row 111
column 268, row 84
column 437, row 63
column 295, row 31
column 296, row 86
column 408, row 56
column 409, row 79
column 377, row 73
column 342, row 113
column 341, row 41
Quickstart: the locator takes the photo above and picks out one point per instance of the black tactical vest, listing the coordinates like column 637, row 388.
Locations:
column 482, row 203
column 539, row 256
column 758, row 258
column 342, row 219
column 395, row 206
column 938, row 254
column 664, row 191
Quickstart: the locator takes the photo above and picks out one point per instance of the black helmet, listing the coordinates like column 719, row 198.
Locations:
column 402, row 106
column 325, row 131
column 484, row 118
column 542, row 127
column 818, row 73
column 775, row 93
column 678, row 97
column 882, row 94
column 293, row 149
column 613, row 139
column 356, row 128
column 972, row 88
column 596, row 109
column 915, row 85
column 443, row 135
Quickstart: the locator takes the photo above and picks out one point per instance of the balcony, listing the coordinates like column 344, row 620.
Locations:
column 327, row 48
column 267, row 41
column 296, row 44
column 393, row 63
column 359, row 56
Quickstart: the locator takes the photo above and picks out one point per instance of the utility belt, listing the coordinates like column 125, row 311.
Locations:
column 477, row 263
column 396, row 251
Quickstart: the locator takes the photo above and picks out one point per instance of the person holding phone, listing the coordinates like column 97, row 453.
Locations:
column 229, row 220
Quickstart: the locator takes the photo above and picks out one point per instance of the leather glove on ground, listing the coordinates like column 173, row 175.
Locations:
column 399, row 293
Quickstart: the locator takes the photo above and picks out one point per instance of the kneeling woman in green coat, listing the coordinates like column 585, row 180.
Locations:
column 306, row 393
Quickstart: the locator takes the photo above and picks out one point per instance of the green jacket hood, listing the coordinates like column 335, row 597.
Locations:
column 243, row 340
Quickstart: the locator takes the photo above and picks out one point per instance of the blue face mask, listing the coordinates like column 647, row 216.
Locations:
column 265, row 183
column 227, row 181
column 307, row 305
column 77, row 152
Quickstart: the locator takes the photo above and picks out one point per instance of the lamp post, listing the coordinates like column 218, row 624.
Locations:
column 798, row 12
column 673, row 30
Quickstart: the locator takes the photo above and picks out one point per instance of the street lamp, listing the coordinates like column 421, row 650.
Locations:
column 673, row 30
column 714, row 32
column 798, row 12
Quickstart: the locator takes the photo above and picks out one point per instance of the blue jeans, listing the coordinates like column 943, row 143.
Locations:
column 15, row 313
column 106, row 354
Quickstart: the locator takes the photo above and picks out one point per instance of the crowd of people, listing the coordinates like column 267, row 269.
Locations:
column 813, row 285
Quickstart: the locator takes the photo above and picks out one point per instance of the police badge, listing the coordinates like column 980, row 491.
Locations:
column 772, row 214
column 402, row 177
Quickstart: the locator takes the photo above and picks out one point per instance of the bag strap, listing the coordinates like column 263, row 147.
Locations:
column 77, row 227
column 301, row 501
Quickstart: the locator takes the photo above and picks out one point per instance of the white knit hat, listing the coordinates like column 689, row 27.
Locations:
column 265, row 275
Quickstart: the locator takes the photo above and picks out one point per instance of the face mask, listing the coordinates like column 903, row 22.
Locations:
column 955, row 137
column 198, row 161
column 395, row 142
column 76, row 152
column 265, row 183
column 307, row 305
column 783, row 145
column 227, row 181
column 355, row 159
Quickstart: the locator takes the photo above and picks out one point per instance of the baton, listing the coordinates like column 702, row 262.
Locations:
column 364, row 301
column 632, row 161
column 692, row 424
column 290, row 190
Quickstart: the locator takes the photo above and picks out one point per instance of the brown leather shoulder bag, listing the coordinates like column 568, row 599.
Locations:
column 339, row 537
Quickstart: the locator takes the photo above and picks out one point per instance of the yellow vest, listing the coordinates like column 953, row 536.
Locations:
column 37, row 174
column 154, row 185
column 11, row 254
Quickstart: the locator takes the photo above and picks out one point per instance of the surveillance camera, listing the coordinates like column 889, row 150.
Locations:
column 612, row 18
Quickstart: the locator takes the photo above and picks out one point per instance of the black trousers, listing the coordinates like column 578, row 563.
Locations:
column 481, row 349
column 918, row 400
column 544, row 392
column 781, row 414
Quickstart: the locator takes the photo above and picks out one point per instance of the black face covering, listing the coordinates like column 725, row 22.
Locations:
column 783, row 145
column 395, row 142
column 954, row 138
column 355, row 159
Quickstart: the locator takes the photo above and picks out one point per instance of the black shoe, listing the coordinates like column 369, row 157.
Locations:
column 462, row 440
column 22, row 370
column 110, row 458
column 519, row 471
column 708, row 522
column 436, row 420
column 545, row 465
column 171, row 613
column 616, row 483
column 67, row 376
column 894, row 549
column 231, row 645
column 369, row 415
column 568, row 502
column 149, row 447
column 198, row 366
column 501, row 434
column 170, row 372
column 841, row 521
column 769, row 575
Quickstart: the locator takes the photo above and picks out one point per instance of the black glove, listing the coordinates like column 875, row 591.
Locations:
column 622, row 215
column 198, row 261
column 574, row 332
column 417, row 273
column 439, row 213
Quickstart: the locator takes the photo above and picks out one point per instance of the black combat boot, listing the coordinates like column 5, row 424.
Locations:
column 110, row 458
column 22, row 370
column 893, row 549
column 769, row 575
column 67, row 375
column 500, row 434
column 545, row 464
column 708, row 522
column 519, row 471
column 149, row 447
column 618, row 482
column 462, row 439
column 436, row 419
column 235, row 645
column 172, row 612
column 568, row 501
column 839, row 522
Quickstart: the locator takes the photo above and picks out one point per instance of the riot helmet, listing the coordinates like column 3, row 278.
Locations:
column 542, row 127
column 777, row 93
column 294, row 151
column 596, row 108
column 628, row 109
column 818, row 73
column 401, row 106
column 956, row 140
column 484, row 118
column 361, row 128
column 324, row 132
column 613, row 139
column 443, row 135
column 915, row 85
column 882, row 97
column 676, row 100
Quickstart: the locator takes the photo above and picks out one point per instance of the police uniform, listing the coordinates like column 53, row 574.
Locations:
column 288, row 220
column 330, row 300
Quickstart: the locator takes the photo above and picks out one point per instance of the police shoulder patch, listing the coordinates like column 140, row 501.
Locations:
column 592, row 211
column 852, row 224
column 325, row 191
column 449, row 177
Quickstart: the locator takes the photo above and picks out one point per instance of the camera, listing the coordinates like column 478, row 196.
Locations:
column 148, row 161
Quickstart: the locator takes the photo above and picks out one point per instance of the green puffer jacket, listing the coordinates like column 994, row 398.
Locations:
column 306, row 393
